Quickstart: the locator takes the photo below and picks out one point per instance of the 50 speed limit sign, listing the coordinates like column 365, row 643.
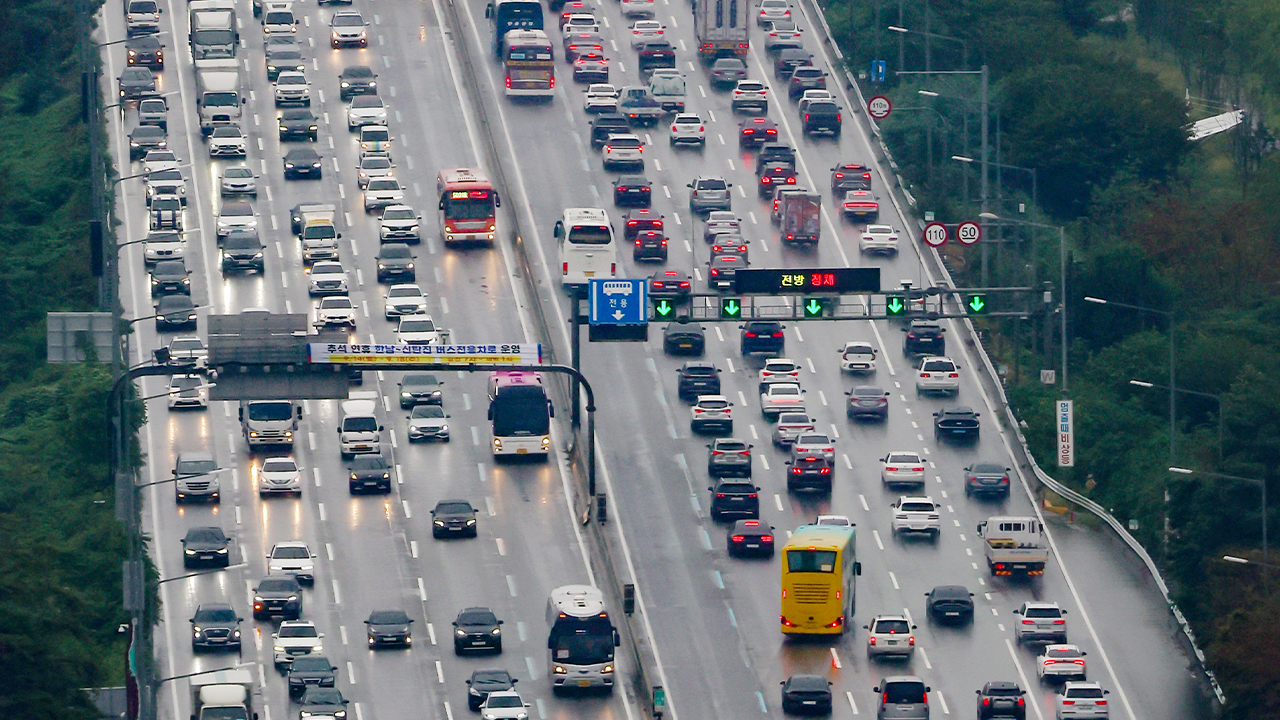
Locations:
column 968, row 232
column 935, row 234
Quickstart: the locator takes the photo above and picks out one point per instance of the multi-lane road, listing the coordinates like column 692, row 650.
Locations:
column 714, row 620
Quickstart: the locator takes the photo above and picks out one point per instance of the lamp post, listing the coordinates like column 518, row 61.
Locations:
column 1262, row 484
column 1173, row 382
column 1034, row 183
column 964, row 46
column 1197, row 393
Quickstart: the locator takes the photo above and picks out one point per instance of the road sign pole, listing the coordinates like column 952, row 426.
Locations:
column 575, row 350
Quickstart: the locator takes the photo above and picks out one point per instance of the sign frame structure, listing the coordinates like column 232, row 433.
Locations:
column 930, row 234
column 618, row 301
column 392, row 355
column 963, row 230
column 1065, row 421
column 879, row 107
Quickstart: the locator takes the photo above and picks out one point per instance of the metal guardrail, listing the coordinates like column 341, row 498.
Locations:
column 993, row 381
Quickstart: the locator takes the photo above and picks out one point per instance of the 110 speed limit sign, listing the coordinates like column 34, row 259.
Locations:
column 968, row 232
column 935, row 234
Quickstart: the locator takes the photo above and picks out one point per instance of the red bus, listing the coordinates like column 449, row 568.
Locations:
column 468, row 206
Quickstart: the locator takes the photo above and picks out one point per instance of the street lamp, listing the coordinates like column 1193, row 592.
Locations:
column 1062, row 280
column 1197, row 393
column 1034, row 183
column 1262, row 484
column 964, row 45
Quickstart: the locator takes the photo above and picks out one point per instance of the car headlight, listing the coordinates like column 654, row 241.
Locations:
column 315, row 164
column 314, row 128
column 606, row 669
column 460, row 632
column 222, row 551
column 381, row 266
column 410, row 266
column 288, row 165
column 159, row 318
column 559, row 670
column 197, row 631
column 386, row 476
column 373, row 84
column 439, row 523
column 346, row 84
column 279, row 648
column 444, row 428
column 496, row 631
column 471, row 521
column 293, row 598
column 257, row 256
column 236, row 634
column 190, row 552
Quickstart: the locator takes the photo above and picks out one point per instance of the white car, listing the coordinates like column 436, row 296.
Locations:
column 399, row 223
column 858, row 357
column 336, row 310
column 814, row 94
column 374, row 166
column 417, row 330
column 366, row 110
column 279, row 475
column 279, row 22
column 879, row 239
column 813, row 443
column 600, row 97
column 637, row 8
column 188, row 351
column 166, row 182
column 292, row 88
column 238, row 180
column 912, row 514
column 902, row 468
column 428, row 422
column 782, row 34
column 780, row 369
column 938, row 375
column 188, row 391
column 235, row 215
column 381, row 192
column 780, row 397
column 890, row 635
column 404, row 299
column 156, row 160
column 327, row 278
column 750, row 94
column 840, row 520
column 294, row 638
column 643, row 31
column 292, row 557
column 1041, row 622
column 1082, row 700
column 711, row 411
column 504, row 705
column 688, row 129
column 580, row 23
column 773, row 10
column 347, row 27
column 163, row 245
column 623, row 149
column 1062, row 661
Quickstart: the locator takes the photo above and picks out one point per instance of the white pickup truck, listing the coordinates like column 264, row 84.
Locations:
column 1015, row 546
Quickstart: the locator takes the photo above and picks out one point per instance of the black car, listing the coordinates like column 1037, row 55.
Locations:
column 722, row 270
column 395, row 263
column 145, row 51
column 175, row 312
column 763, row 336
column 949, row 604
column 283, row 59
column 215, row 626
column 809, row 473
column 388, row 627
column 308, row 671
column 357, row 80
column 957, row 423
column 806, row 77
column 754, row 132
column 656, row 54
column 669, row 284
column 632, row 191
column 453, row 517
column 483, row 682
column 650, row 245
column 750, row 538
column 420, row 389
column 775, row 152
column 206, row 546
column 1000, row 698
column 806, row 695
column 924, row 337
column 144, row 139
column 277, row 596
column 734, row 499
column 788, row 60
column 773, row 175
column 298, row 123
column 322, row 701
column 683, row 337
column 302, row 162
column 851, row 176
column 170, row 277
column 867, row 402
column 642, row 220
column 986, row 478
column 136, row 82
column 243, row 251
column 369, row 471
column 697, row 378
column 821, row 116
column 606, row 124
column 729, row 457
column 477, row 628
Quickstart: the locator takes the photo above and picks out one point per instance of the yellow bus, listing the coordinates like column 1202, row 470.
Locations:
column 819, row 571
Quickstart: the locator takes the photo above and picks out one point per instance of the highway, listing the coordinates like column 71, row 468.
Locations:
column 715, row 620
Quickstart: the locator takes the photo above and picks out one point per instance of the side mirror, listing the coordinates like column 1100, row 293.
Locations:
column 710, row 488
column 1017, row 611
column 875, row 689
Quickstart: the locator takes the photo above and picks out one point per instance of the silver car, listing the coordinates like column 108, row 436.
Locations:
column 791, row 425
column 726, row 72
column 428, row 422
column 1041, row 622
column 903, row 697
column 366, row 110
column 709, row 193
column 1082, row 700
column 239, row 180
column 890, row 636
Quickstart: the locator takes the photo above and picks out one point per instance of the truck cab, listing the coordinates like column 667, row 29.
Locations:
column 1015, row 546
column 360, row 431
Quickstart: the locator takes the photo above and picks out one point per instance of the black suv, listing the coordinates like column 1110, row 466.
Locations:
column 732, row 499
column 1000, row 698
column 298, row 123
column 698, row 378
column 763, row 336
column 949, row 604
column 369, row 471
column 308, row 671
column 146, row 138
column 215, row 626
column 606, row 124
column 683, row 337
column 809, row 473
column 277, row 596
column 775, row 153
column 242, row 250
column 821, row 116
column 170, row 277
column 477, row 628
column 924, row 337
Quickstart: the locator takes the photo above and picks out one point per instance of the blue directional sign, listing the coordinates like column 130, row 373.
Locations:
column 619, row 301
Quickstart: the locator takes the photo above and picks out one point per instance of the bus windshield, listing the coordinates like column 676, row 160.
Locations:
column 526, row 14
column 473, row 205
column 823, row 561
column 582, row 648
column 520, row 411
column 538, row 54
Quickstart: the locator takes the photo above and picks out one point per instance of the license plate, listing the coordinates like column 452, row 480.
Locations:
column 477, row 642
column 686, row 345
column 584, row 683
column 809, row 702
column 206, row 557
column 589, row 273
column 891, row 642
column 753, row 545
column 953, row 614
column 522, row 451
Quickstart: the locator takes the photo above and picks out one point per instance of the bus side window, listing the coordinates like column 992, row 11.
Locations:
column 559, row 231
column 857, row 568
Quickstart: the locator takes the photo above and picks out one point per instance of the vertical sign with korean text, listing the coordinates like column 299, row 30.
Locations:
column 1066, row 435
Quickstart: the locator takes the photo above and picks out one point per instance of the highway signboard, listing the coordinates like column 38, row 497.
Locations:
column 492, row 354
column 618, row 301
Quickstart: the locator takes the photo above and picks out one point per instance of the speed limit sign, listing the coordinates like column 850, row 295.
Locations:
column 935, row 234
column 968, row 232
column 879, row 107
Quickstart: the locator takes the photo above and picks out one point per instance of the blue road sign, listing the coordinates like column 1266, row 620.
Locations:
column 620, row 301
column 878, row 68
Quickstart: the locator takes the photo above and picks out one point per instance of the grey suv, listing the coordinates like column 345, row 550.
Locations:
column 734, row 499
column 903, row 697
column 709, row 193
column 215, row 626
column 194, row 477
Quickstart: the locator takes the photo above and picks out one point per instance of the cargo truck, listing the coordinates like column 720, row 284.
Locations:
column 801, row 214
column 316, row 229
column 222, row 695
column 213, row 29
column 269, row 422
column 219, row 95
column 1015, row 546
column 360, row 431
column 720, row 27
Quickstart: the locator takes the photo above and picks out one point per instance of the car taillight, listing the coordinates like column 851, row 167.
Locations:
column 717, row 452
column 1028, row 622
column 918, row 469
column 715, row 271
column 771, row 131
column 1022, row 701
column 766, row 538
column 825, row 471
column 738, row 538
column 752, row 496
column 986, row 702
column 839, row 175
column 607, row 148
column 744, row 452
column 837, row 622
column 924, row 374
column 777, row 334
column 719, row 495
column 553, row 82
column 673, row 129
column 911, row 640
column 791, row 181
column 1068, row 702
column 1059, row 622
column 765, row 180
column 1099, row 702
column 806, row 115
column 564, row 269
column 837, row 117
column 954, row 375
column 783, row 618
column 683, row 284
column 613, row 268
column 749, row 334
column 891, row 469
column 508, row 83
column 871, row 640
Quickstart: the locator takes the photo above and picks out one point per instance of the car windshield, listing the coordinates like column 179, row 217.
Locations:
column 938, row 366
column 987, row 469
column 713, row 184
column 1003, row 691
column 490, row 677
column 903, row 693
column 357, row 73
column 326, row 269
column 1084, row 692
column 342, row 20
column 237, row 173
column 185, row 382
column 903, row 458
column 917, row 507
column 359, row 424
column 777, row 390
column 477, row 617
column 380, row 184
column 1042, row 612
column 236, row 210
column 388, row 617
column 206, row 535
column 454, row 508
column 1062, row 652
column 290, row 553
column 427, row 411
column 394, row 251
column 279, row 18
column 369, row 462
column 417, row 326
column 793, row 419
column 226, row 131
column 404, row 292
column 399, row 214
column 298, row 631
column 270, row 412
column 700, row 370
column 217, row 615
column 504, row 701
column 868, row 392
column 278, row 585
column 375, row 163
column 336, row 303
column 279, row 465
column 366, row 102
column 736, row 488
column 186, row 344
column 196, row 467
column 812, row 440
column 730, row 445
column 311, row 664
column 713, row 404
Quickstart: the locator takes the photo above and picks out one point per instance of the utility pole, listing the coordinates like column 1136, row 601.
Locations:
column 986, row 247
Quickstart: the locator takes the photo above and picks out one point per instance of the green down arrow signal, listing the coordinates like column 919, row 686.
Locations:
column 663, row 308
column 730, row 308
column 894, row 305
column 977, row 304
column 813, row 308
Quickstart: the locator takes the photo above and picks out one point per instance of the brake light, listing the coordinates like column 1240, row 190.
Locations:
column 738, row 538
column 924, row 374
column 777, row 334
column 806, row 115
column 749, row 334
column 911, row 640
column 839, row 175
column 1059, row 622
column 744, row 452
column 1068, row 702
column 825, row 471
column 766, row 538
column 564, row 269
column 836, row 623
column 871, row 640
column 752, row 496
column 986, row 702
column 919, row 469
column 508, row 83
column 791, row 180
column 954, row 375
column 783, row 618
column 1028, row 622
column 613, row 268
column 837, row 117
column 1099, row 702
column 715, row 271
column 717, row 452
column 1022, row 701
column 607, row 148
column 553, row 82
column 892, row 469
column 765, row 180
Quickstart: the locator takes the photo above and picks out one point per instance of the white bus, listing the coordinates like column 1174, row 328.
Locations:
column 581, row 642
column 587, row 246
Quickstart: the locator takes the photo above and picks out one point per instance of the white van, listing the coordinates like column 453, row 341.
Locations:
column 587, row 246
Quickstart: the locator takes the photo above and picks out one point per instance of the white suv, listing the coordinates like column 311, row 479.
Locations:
column 227, row 140
column 600, row 97
column 626, row 150
column 292, row 88
column 294, row 638
column 399, row 223
column 381, row 192
column 938, row 375
column 858, row 357
column 916, row 515
column 752, row 94
column 292, row 557
column 1041, row 621
column 711, row 411
column 890, row 635
column 879, row 239
column 1082, row 700
column 327, row 278
column 688, row 128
